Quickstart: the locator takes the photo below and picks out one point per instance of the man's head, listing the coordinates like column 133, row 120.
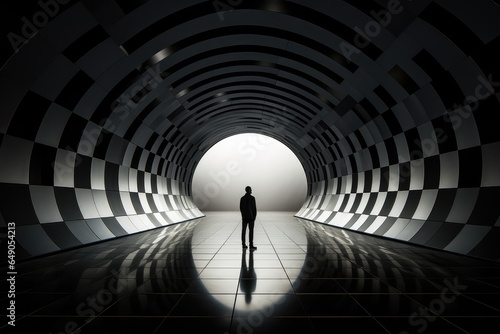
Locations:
column 248, row 190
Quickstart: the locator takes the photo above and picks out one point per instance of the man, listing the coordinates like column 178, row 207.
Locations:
column 248, row 211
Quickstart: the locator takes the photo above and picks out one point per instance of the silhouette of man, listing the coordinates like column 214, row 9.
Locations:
column 248, row 211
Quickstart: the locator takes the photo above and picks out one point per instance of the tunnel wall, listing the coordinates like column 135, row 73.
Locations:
column 383, row 202
column 60, row 196
column 432, row 181
column 412, row 173
column 81, row 162
column 421, row 167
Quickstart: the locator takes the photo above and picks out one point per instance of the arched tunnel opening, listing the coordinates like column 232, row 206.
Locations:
column 392, row 109
column 274, row 173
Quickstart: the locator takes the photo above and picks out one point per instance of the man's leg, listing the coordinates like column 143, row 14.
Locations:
column 252, row 224
column 244, row 224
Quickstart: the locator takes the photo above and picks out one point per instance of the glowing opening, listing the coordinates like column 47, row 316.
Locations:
column 273, row 171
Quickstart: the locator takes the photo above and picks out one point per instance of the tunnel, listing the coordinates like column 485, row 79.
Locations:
column 391, row 107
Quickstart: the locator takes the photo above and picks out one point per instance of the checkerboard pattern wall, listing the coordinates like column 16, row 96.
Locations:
column 422, row 168
column 60, row 198
column 73, row 174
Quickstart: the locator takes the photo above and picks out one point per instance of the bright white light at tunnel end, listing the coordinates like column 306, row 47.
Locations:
column 272, row 170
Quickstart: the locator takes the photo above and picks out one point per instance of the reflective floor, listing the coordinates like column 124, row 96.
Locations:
column 304, row 278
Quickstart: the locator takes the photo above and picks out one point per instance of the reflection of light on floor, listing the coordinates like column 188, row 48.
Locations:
column 161, row 236
column 259, row 302
column 229, row 270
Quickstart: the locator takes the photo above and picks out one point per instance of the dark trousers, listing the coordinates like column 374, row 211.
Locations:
column 250, row 223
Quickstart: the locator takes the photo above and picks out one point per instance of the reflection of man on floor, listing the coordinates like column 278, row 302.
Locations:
column 248, row 277
column 248, row 211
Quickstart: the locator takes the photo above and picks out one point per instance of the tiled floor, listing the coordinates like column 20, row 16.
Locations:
column 304, row 278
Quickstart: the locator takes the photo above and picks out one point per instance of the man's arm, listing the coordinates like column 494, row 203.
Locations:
column 254, row 208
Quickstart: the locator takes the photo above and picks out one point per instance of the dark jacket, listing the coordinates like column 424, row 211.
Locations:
column 248, row 208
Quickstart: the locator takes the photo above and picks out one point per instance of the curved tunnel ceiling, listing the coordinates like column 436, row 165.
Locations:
column 391, row 108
